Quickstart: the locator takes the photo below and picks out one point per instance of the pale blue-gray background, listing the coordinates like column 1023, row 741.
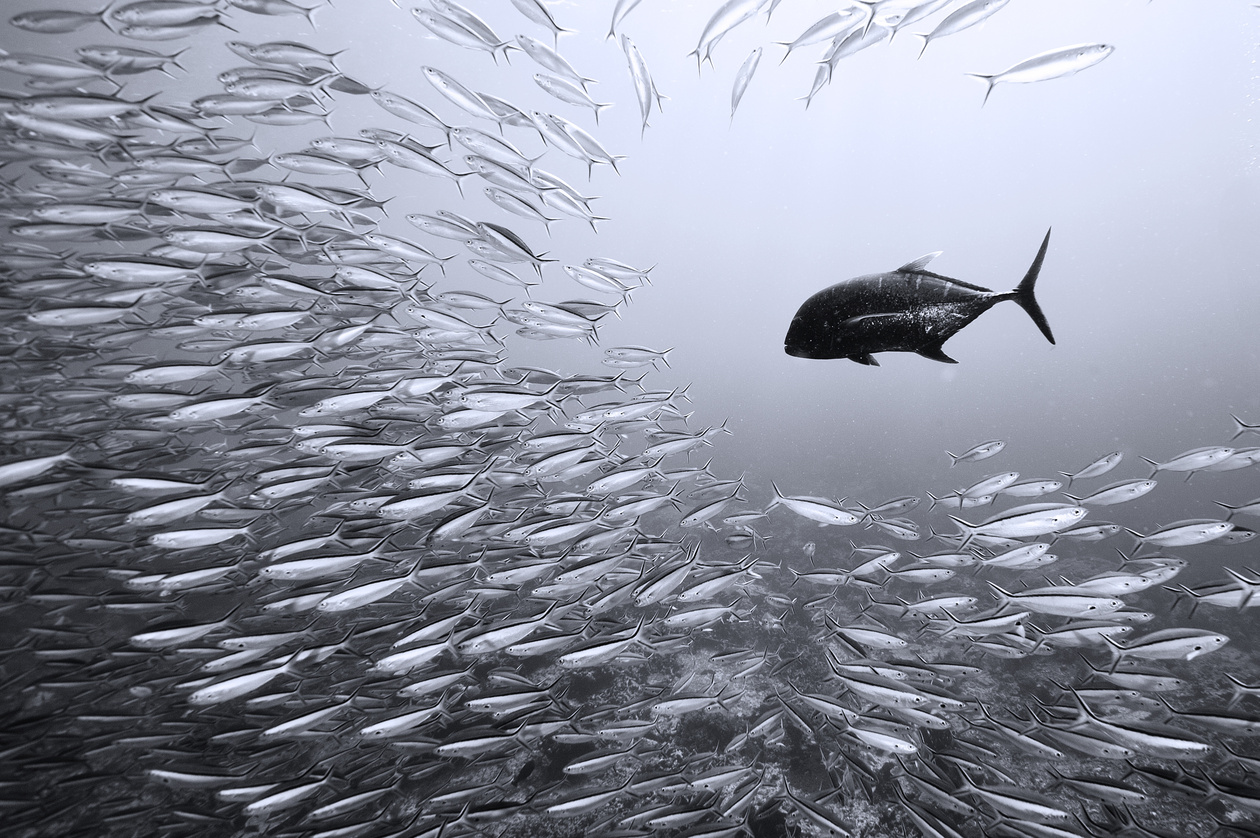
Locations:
column 1145, row 166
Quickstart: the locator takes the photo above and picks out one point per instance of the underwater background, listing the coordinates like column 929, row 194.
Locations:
column 206, row 343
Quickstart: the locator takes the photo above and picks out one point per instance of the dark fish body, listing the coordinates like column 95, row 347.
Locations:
column 906, row 310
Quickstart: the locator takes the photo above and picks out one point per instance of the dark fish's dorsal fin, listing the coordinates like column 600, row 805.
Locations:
column 936, row 354
column 919, row 264
column 867, row 359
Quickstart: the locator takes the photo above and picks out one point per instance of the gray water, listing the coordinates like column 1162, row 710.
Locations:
column 1144, row 167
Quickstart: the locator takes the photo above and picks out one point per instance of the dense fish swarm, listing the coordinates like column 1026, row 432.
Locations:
column 291, row 546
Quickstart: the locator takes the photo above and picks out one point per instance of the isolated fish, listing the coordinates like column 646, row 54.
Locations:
column 908, row 310
column 54, row 21
column 834, row 25
column 452, row 30
column 538, row 12
column 570, row 92
column 743, row 77
column 962, row 18
column 725, row 18
column 823, row 511
column 1185, row 533
column 623, row 8
column 644, row 88
column 982, row 451
column 1047, row 65
column 1120, row 492
column 1193, row 460
column 1028, row 520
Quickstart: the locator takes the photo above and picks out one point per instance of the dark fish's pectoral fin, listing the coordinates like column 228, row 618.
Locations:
column 936, row 354
column 868, row 359
column 867, row 319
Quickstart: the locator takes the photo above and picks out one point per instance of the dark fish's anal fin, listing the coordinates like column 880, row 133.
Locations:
column 867, row 359
column 936, row 354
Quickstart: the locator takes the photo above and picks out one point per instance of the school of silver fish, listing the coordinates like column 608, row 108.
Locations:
column 291, row 547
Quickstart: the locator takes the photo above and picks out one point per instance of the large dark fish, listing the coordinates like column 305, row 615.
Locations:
column 907, row 310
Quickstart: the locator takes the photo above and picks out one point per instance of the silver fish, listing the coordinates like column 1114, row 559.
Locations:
column 1052, row 64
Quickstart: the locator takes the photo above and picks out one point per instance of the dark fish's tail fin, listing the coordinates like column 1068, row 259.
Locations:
column 1023, row 293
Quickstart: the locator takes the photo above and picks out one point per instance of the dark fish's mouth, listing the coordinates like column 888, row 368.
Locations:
column 796, row 342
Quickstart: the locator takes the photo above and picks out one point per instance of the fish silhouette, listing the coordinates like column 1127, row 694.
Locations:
column 907, row 310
